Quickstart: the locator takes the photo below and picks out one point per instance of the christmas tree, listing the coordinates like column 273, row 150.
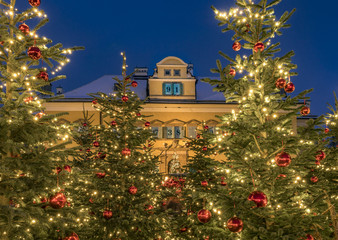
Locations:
column 119, row 179
column 269, row 195
column 34, row 196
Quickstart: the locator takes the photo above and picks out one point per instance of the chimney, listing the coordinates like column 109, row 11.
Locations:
column 59, row 90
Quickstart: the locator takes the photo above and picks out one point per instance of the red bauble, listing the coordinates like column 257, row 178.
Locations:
column 283, row 159
column 124, row 98
column 204, row 148
column 326, row 130
column 107, row 214
column 57, row 201
column 223, row 183
column 232, row 72
column 184, row 229
column 24, row 28
column 309, row 237
column 96, row 144
column 74, row 236
column 187, row 144
column 280, row 83
column 84, row 124
column 43, row 75
column 67, row 168
column 236, row 46
column 317, row 162
column 147, row 124
column 289, row 87
column 320, row 155
column 100, row 175
column 138, row 114
column 28, row 99
column 204, row 216
column 305, row 111
column 58, row 170
column 132, row 190
column 204, row 183
column 314, row 179
column 101, row 155
column 34, row 53
column 259, row 46
column 126, row 152
column 235, row 224
column 34, row 3
column 94, row 101
column 206, row 127
column 259, row 198
column 113, row 123
column 134, row 84
column 198, row 136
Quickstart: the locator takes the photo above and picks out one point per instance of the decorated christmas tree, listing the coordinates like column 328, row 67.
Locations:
column 120, row 178
column 268, row 161
column 34, row 195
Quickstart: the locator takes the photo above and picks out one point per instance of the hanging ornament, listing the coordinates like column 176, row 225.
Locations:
column 317, row 162
column 57, row 201
column 84, row 124
column 127, row 79
column 94, row 102
column 184, row 229
column 320, row 155
column 124, row 99
column 205, row 148
column 100, row 175
column 43, row 75
column 58, row 170
column 138, row 114
column 259, row 198
column 126, row 152
column 101, row 155
column 107, row 214
column 305, row 111
column 326, row 130
column 309, row 237
column 28, row 99
column 204, row 216
column 34, row 53
column 314, row 179
column 113, row 123
column 289, row 87
column 134, row 84
column 232, row 72
column 198, row 136
column 223, row 183
column 280, row 83
column 73, row 236
column 96, row 144
column 235, row 225
column 67, row 168
column 132, row 190
column 24, row 28
column 206, row 127
column 34, row 3
column 187, row 144
column 147, row 124
column 259, row 46
column 283, row 159
column 236, row 46
column 204, row 183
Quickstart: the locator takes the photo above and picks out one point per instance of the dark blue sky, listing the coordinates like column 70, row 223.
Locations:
column 150, row 30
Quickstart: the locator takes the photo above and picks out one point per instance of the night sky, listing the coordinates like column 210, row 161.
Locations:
column 150, row 30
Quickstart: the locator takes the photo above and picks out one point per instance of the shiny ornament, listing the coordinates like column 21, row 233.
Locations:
column 259, row 46
column 320, row 155
column 107, row 214
column 94, row 102
column 204, row 148
column 134, row 84
column 283, row 159
column 84, row 124
column 100, row 175
column 57, row 201
column 206, row 127
column 96, row 144
column 28, row 99
column 73, row 236
column 305, row 111
column 236, row 46
column 138, row 114
column 235, row 225
column 198, row 136
column 101, row 155
column 34, row 3
column 326, row 130
column 125, row 99
column 184, row 229
column 223, row 183
column 113, row 123
column 289, row 87
column 43, row 75
column 204, row 183
column 314, row 179
column 259, row 198
column 67, row 168
column 309, row 237
column 187, row 144
column 147, row 124
column 126, row 152
column 132, row 190
column 204, row 216
column 24, row 28
column 34, row 53
column 280, row 83
column 232, row 72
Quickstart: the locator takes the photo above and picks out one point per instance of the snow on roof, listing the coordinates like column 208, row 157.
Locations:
column 105, row 84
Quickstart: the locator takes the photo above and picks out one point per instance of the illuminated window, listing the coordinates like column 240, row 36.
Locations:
column 175, row 89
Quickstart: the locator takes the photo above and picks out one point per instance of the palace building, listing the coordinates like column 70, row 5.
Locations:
column 177, row 101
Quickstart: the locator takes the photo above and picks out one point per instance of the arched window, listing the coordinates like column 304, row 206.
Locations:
column 192, row 128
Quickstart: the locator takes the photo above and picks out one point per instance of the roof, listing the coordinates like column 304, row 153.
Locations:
column 105, row 84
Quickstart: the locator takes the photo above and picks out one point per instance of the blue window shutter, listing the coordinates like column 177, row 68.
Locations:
column 181, row 86
column 163, row 89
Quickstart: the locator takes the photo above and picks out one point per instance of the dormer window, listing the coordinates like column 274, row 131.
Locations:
column 167, row 72
column 170, row 89
column 177, row 72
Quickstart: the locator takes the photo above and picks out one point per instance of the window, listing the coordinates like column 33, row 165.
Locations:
column 168, row 132
column 167, row 72
column 174, row 132
column 192, row 131
column 175, row 89
column 179, row 132
column 117, row 86
column 177, row 72
column 157, row 131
